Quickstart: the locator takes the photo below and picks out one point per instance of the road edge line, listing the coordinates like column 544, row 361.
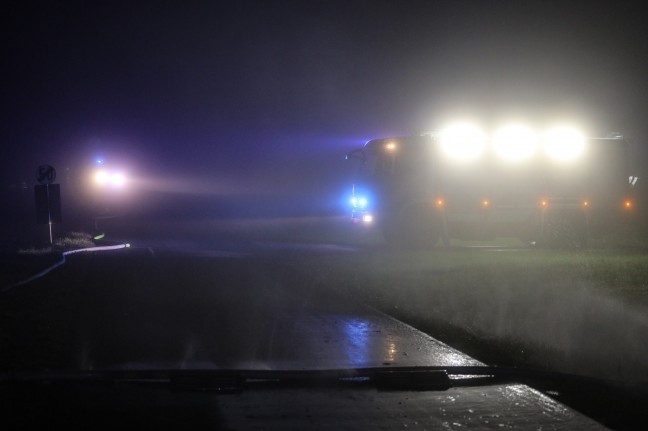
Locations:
column 62, row 262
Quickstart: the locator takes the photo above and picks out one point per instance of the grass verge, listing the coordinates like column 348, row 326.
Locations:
column 574, row 311
column 28, row 261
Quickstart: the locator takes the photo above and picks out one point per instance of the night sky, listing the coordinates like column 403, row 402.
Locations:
column 273, row 93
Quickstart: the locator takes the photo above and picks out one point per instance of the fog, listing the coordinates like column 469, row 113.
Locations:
column 578, row 328
column 244, row 111
column 243, row 88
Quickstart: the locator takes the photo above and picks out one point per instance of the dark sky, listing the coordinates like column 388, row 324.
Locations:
column 256, row 89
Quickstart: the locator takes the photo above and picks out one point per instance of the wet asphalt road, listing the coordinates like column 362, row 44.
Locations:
column 177, row 305
column 182, row 307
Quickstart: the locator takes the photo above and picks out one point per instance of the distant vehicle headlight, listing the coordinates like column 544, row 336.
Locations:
column 105, row 178
column 101, row 177
column 515, row 143
column 463, row 142
column 118, row 179
column 564, row 144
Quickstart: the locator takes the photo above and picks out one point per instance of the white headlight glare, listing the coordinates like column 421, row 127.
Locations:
column 463, row 142
column 564, row 144
column 110, row 179
column 118, row 179
column 101, row 177
column 515, row 143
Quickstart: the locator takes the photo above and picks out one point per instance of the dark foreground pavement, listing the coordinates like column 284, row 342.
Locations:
column 139, row 309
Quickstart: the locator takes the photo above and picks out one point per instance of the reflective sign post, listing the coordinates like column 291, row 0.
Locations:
column 48, row 198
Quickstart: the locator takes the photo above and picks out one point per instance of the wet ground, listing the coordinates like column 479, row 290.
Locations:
column 256, row 269
column 235, row 294
column 143, row 307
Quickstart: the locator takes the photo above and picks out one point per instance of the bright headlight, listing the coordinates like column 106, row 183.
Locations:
column 101, row 177
column 564, row 144
column 118, row 179
column 515, row 143
column 109, row 179
column 463, row 142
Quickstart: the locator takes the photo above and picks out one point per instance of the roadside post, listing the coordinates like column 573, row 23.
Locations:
column 48, row 198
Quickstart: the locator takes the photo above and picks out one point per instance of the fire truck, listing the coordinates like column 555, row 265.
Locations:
column 553, row 188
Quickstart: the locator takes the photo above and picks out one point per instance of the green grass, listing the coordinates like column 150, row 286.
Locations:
column 577, row 311
column 71, row 241
column 622, row 273
column 74, row 240
column 33, row 251
column 28, row 261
